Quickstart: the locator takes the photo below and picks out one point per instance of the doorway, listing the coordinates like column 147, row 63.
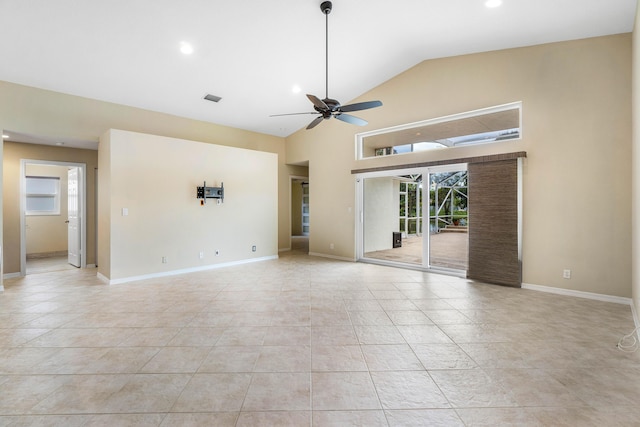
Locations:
column 416, row 218
column 52, row 216
column 300, row 214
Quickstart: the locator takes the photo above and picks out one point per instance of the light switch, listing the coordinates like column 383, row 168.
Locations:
column 125, row 211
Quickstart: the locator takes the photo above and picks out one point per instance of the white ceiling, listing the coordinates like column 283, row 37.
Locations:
column 251, row 53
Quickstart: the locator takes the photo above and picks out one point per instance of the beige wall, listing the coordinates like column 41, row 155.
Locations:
column 13, row 153
column 44, row 113
column 636, row 167
column 576, row 99
column 48, row 233
column 1, row 213
column 104, row 206
column 164, row 217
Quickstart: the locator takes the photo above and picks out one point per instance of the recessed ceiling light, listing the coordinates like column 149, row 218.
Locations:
column 186, row 48
column 59, row 143
column 296, row 89
column 493, row 3
column 5, row 136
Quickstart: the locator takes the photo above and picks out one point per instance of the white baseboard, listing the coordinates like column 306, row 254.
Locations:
column 182, row 271
column 339, row 258
column 284, row 250
column 102, row 278
column 579, row 294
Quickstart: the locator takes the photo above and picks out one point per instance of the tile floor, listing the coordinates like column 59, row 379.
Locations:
column 48, row 264
column 303, row 341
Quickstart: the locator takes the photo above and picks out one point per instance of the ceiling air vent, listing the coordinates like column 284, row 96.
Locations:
column 213, row 98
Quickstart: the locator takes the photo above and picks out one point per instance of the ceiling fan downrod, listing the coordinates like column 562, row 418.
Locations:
column 326, row 7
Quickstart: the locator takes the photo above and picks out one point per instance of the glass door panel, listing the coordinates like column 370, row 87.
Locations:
column 448, row 219
column 392, row 219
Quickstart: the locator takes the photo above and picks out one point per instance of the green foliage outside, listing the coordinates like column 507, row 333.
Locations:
column 451, row 203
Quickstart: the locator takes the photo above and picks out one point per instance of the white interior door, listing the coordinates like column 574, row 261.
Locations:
column 74, row 219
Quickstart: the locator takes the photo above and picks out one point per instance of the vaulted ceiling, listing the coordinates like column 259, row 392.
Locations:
column 253, row 53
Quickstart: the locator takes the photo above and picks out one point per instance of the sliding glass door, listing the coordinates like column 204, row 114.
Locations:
column 415, row 217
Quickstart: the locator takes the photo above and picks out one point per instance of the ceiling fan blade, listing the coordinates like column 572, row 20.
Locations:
column 315, row 122
column 318, row 102
column 360, row 106
column 293, row 114
column 351, row 119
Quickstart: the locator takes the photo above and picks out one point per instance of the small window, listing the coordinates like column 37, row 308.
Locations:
column 483, row 126
column 42, row 195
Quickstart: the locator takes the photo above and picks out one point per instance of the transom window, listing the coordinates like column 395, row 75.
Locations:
column 483, row 126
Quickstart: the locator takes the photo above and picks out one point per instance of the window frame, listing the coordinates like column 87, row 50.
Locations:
column 35, row 195
column 360, row 137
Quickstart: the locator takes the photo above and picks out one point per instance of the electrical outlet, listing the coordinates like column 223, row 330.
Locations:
column 566, row 274
column 164, row 259
column 253, row 248
column 331, row 246
column 201, row 254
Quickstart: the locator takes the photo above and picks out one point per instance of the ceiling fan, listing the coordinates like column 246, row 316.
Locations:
column 329, row 107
